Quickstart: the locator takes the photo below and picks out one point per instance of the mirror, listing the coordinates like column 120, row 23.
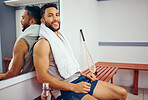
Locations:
column 14, row 31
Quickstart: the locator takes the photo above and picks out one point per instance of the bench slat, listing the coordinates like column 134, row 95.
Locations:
column 111, row 75
column 103, row 73
column 107, row 74
column 88, row 71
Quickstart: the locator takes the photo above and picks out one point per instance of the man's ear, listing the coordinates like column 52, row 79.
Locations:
column 43, row 20
column 32, row 21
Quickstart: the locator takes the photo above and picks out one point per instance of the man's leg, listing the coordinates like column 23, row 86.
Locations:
column 107, row 91
column 88, row 97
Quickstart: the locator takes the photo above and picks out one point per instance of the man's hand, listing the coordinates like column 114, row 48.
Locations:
column 82, row 87
column 91, row 76
column 1, row 75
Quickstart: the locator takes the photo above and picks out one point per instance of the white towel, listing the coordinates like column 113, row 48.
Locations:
column 64, row 58
column 32, row 30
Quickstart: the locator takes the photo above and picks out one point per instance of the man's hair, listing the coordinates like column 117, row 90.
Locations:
column 43, row 8
column 34, row 12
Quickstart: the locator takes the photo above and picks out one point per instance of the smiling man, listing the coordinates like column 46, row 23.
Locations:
column 22, row 61
column 55, row 64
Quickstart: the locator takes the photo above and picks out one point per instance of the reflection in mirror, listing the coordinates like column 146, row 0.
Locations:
column 22, row 61
column 27, row 22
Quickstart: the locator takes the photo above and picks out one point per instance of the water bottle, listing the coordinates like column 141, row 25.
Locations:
column 45, row 92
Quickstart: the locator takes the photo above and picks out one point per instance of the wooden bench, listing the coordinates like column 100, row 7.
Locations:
column 129, row 66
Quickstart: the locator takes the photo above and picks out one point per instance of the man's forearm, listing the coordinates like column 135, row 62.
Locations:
column 1, row 76
column 7, row 75
column 61, row 85
column 55, row 83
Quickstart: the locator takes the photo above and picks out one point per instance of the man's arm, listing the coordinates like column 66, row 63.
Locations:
column 41, row 53
column 19, row 51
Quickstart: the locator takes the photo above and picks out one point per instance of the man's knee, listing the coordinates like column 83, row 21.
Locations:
column 88, row 97
column 123, row 94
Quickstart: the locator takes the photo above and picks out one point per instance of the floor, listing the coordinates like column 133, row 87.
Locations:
column 142, row 94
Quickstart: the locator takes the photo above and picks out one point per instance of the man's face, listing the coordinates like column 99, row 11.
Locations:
column 52, row 18
column 25, row 20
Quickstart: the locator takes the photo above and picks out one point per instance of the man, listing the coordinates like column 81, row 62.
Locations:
column 22, row 61
column 55, row 64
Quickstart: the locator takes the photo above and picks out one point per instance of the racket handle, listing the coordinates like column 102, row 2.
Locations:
column 82, row 34
column 96, row 72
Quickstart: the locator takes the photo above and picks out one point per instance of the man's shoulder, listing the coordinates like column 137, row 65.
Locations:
column 42, row 43
column 20, row 46
column 42, row 47
column 43, row 40
column 20, row 42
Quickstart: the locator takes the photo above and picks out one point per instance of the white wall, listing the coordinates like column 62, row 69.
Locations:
column 77, row 14
column 18, row 14
column 108, row 21
column 124, row 21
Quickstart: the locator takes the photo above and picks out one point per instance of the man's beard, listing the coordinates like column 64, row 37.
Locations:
column 50, row 26
column 25, row 26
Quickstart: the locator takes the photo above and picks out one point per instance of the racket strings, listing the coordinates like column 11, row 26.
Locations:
column 90, row 60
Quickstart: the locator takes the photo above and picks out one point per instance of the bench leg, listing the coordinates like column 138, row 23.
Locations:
column 112, row 80
column 136, row 75
column 6, row 64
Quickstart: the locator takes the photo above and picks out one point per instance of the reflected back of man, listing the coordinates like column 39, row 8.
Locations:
column 22, row 61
